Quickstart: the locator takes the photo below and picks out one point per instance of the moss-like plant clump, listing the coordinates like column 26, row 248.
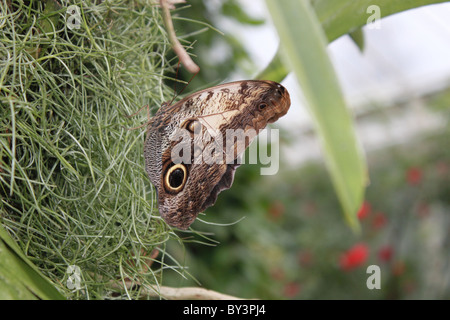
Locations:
column 72, row 185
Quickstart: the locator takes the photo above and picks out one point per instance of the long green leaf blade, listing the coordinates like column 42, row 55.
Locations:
column 339, row 17
column 19, row 278
column 303, row 44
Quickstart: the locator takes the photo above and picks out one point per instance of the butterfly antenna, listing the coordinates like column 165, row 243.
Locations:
column 147, row 123
column 192, row 78
column 176, row 94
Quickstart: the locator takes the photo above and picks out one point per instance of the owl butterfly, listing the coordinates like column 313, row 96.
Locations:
column 193, row 146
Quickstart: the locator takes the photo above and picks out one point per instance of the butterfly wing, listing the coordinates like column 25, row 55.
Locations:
column 192, row 146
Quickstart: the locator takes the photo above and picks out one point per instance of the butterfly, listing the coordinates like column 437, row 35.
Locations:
column 192, row 147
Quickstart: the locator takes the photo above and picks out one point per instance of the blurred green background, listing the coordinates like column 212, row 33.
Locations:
column 293, row 242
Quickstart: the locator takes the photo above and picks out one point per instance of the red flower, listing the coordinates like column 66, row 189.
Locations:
column 276, row 210
column 354, row 257
column 277, row 274
column 398, row 268
column 379, row 220
column 291, row 289
column 414, row 176
column 409, row 286
column 305, row 258
column 364, row 210
column 385, row 253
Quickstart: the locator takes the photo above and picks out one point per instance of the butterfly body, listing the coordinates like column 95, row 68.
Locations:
column 190, row 157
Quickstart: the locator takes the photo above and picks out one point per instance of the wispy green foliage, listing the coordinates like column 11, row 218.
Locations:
column 19, row 278
column 72, row 185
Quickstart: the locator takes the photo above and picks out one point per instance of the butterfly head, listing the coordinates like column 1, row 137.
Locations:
column 272, row 104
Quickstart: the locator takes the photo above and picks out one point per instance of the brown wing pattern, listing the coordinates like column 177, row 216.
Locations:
column 186, row 188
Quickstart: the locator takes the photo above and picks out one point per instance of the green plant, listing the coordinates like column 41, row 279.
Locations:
column 319, row 21
column 72, row 185
column 73, row 191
